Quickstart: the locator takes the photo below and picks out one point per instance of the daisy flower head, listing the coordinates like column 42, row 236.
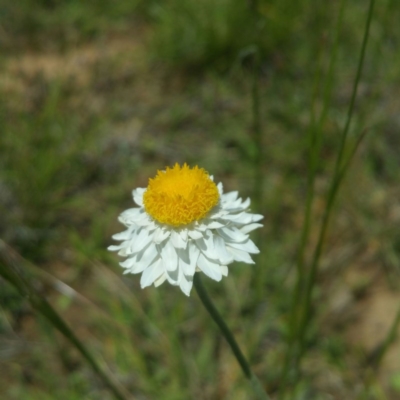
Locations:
column 184, row 224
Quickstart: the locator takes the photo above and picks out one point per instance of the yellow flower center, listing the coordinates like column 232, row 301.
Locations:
column 180, row 195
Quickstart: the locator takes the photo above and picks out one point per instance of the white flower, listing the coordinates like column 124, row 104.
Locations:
column 185, row 223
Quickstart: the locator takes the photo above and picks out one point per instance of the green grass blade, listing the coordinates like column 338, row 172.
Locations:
column 339, row 173
column 315, row 134
column 12, row 274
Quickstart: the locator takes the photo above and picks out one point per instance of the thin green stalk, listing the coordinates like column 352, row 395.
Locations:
column 315, row 141
column 215, row 315
column 355, row 86
column 337, row 178
column 258, row 176
column 257, row 131
column 293, row 318
column 257, row 146
column 297, row 352
column 10, row 273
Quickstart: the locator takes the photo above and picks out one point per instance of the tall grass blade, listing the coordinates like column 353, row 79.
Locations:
column 12, row 272
column 339, row 173
column 315, row 136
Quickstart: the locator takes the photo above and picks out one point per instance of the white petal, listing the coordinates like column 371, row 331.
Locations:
column 177, row 240
column 214, row 224
column 220, row 188
column 146, row 221
column 160, row 280
column 140, row 241
column 150, row 274
column 125, row 235
column 210, row 268
column 145, row 258
column 138, row 196
column 223, row 255
column 224, row 270
column 257, row 217
column 230, row 196
column 246, row 203
column 248, row 228
column 169, row 256
column 201, row 244
column 132, row 212
column 201, row 227
column 115, row 247
column 206, row 245
column 125, row 251
column 236, row 206
column 241, row 218
column 184, row 261
column 240, row 255
column 186, row 285
column 184, row 234
column 173, row 276
column 194, row 253
column 247, row 246
column 217, row 212
column 232, row 234
column 160, row 235
column 131, row 216
column 128, row 263
column 193, row 234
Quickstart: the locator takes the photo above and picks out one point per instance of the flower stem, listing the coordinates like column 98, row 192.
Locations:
column 215, row 315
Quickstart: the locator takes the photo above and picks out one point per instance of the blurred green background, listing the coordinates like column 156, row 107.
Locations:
column 95, row 96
